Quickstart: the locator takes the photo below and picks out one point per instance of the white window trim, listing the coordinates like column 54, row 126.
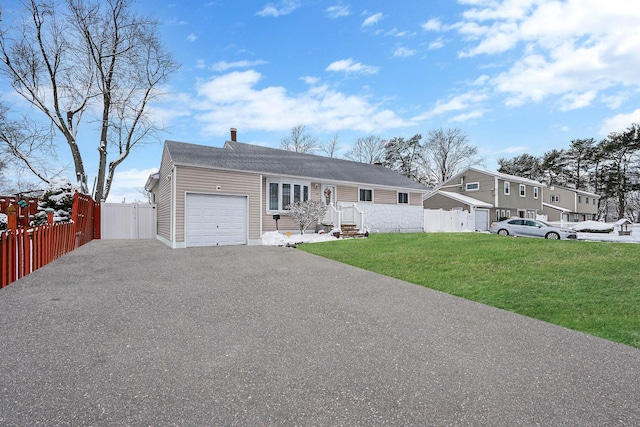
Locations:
column 522, row 193
column 398, row 197
column 366, row 201
column 507, row 188
column 536, row 191
column 476, row 184
column 281, row 181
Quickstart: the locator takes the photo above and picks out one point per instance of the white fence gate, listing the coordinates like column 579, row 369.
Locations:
column 127, row 221
column 438, row 220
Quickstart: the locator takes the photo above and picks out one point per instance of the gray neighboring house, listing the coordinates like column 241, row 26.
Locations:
column 208, row 196
column 569, row 205
column 489, row 195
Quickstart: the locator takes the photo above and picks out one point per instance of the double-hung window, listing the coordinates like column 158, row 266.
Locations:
column 535, row 192
column 403, row 198
column 507, row 188
column 523, row 190
column 365, row 195
column 282, row 193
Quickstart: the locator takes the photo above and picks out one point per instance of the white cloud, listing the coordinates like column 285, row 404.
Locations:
column 224, row 65
column 372, row 20
column 234, row 98
column 334, row 12
column 574, row 101
column 436, row 44
column 432, row 25
column 619, row 122
column 403, row 52
column 349, row 66
column 128, row 185
column 471, row 115
column 461, row 102
column 192, row 37
column 573, row 49
column 284, row 7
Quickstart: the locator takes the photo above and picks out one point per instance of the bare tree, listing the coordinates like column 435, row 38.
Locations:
column 369, row 149
column 300, row 141
column 447, row 152
column 90, row 57
column 306, row 213
column 331, row 147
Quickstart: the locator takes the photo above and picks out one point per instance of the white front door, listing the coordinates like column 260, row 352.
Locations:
column 215, row 220
column 329, row 194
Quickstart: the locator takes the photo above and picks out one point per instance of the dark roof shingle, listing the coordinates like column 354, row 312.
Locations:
column 270, row 161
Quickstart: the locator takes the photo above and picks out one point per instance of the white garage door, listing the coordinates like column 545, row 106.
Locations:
column 482, row 220
column 214, row 220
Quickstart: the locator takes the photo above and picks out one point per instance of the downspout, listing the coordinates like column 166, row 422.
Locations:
column 497, row 192
column 173, row 206
column 261, row 216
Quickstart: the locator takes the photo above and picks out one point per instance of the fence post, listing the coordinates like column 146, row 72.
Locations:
column 12, row 218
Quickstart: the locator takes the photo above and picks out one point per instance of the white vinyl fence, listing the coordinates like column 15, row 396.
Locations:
column 127, row 221
column 438, row 220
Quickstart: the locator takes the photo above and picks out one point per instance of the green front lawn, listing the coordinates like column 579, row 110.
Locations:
column 591, row 287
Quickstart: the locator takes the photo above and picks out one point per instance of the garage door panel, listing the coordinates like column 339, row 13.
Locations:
column 213, row 220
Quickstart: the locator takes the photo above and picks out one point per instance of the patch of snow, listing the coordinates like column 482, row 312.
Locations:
column 275, row 238
column 593, row 225
column 612, row 237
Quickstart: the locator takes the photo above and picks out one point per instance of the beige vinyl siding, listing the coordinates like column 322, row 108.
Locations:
column 415, row 199
column 349, row 194
column 440, row 201
column 199, row 180
column 385, row 197
column 163, row 198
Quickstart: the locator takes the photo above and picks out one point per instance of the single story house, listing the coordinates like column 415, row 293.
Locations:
column 489, row 195
column 570, row 205
column 209, row 196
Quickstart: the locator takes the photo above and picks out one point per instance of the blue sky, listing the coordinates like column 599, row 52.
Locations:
column 519, row 76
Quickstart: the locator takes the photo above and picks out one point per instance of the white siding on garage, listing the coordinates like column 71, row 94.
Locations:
column 215, row 220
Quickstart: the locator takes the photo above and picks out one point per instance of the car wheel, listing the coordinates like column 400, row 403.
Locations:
column 503, row 232
column 553, row 235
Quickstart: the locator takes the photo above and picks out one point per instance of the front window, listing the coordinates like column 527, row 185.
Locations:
column 535, row 192
column 473, row 186
column 507, row 188
column 403, row 198
column 282, row 194
column 366, row 195
column 274, row 196
column 579, row 198
column 586, row 200
column 523, row 190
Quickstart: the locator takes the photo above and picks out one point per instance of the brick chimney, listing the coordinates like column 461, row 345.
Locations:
column 234, row 132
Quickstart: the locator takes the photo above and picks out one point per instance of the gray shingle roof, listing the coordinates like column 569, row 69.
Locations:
column 270, row 161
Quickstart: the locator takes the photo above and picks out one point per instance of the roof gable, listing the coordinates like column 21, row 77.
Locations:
column 502, row 176
column 271, row 161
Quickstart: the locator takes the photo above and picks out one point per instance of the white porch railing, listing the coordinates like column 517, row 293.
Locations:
column 333, row 216
column 352, row 215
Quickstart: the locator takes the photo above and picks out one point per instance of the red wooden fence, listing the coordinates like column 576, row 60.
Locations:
column 24, row 250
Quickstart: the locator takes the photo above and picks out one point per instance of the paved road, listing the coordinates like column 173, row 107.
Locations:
column 134, row 333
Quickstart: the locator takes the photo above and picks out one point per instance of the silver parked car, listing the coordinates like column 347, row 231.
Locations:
column 531, row 228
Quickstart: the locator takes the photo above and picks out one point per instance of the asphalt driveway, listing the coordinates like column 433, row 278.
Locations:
column 134, row 333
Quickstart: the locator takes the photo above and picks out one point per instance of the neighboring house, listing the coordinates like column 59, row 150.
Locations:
column 209, row 196
column 489, row 195
column 568, row 204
